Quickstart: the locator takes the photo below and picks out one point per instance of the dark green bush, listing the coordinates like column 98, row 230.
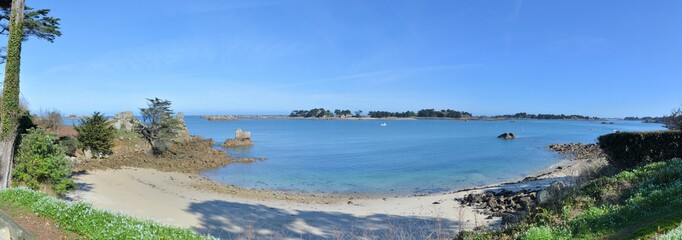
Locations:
column 629, row 149
column 40, row 160
column 70, row 145
column 96, row 134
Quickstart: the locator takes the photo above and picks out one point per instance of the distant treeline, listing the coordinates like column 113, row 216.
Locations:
column 545, row 116
column 385, row 114
column 447, row 113
column 324, row 113
column 646, row 119
column 424, row 113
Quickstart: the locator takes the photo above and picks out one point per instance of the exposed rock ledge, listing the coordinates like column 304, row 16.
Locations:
column 219, row 118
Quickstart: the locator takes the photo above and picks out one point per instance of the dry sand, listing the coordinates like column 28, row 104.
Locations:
column 189, row 200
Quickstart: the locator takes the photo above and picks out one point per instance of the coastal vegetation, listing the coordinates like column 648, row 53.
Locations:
column 630, row 149
column 158, row 126
column 96, row 134
column 674, row 120
column 41, row 161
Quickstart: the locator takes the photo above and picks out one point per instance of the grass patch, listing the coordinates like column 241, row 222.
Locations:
column 91, row 223
column 672, row 235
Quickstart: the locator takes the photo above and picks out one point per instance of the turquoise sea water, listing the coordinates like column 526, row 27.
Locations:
column 405, row 157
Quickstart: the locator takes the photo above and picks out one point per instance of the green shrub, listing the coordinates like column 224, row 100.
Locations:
column 629, row 149
column 96, row 134
column 545, row 233
column 70, row 145
column 40, row 160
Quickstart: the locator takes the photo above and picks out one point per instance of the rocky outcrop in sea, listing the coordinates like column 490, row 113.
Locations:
column 241, row 138
column 507, row 136
column 575, row 151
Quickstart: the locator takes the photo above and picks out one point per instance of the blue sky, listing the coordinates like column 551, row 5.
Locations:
column 602, row 58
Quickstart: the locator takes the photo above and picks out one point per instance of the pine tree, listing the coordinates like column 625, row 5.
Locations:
column 96, row 134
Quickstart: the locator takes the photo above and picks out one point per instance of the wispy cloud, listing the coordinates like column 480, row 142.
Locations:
column 222, row 6
column 578, row 45
column 400, row 16
column 516, row 12
column 380, row 75
column 162, row 55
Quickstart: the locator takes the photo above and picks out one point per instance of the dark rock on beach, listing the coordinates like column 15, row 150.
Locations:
column 513, row 205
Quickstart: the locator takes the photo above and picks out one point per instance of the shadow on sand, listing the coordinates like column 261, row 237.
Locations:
column 228, row 220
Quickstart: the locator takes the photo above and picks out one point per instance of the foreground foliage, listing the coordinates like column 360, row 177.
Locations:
column 640, row 203
column 40, row 160
column 91, row 223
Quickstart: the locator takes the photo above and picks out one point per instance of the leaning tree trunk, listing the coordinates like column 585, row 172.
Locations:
column 9, row 114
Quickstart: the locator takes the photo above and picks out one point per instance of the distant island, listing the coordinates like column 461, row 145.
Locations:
column 424, row 113
column 324, row 113
column 523, row 115
column 645, row 119
column 431, row 113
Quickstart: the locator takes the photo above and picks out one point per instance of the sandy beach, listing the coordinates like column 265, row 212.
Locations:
column 190, row 200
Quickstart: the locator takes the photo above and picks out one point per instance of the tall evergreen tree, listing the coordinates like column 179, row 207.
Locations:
column 37, row 23
column 9, row 114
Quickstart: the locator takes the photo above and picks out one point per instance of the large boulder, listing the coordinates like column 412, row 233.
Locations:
column 124, row 121
column 553, row 192
column 241, row 135
column 506, row 136
column 241, row 138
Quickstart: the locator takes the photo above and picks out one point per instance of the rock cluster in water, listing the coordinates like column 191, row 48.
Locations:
column 507, row 136
column 241, row 138
column 578, row 150
column 220, row 118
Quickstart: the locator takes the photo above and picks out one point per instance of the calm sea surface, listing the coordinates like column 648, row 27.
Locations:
column 405, row 157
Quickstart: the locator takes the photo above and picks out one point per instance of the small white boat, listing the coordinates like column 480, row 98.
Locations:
column 384, row 124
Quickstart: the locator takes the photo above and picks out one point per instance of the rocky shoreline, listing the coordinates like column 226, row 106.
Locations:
column 512, row 204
